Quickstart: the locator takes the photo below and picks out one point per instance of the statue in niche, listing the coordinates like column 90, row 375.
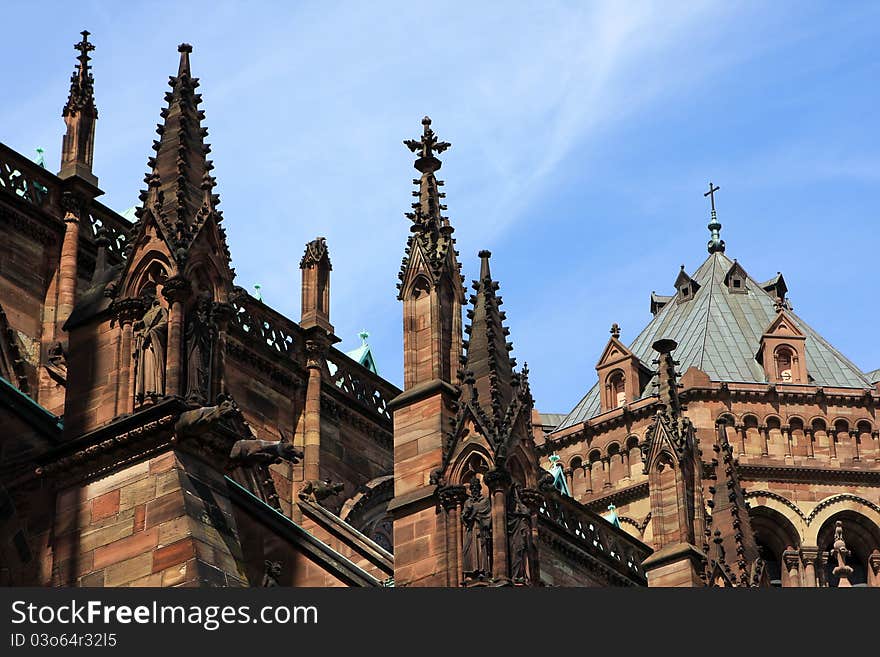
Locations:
column 200, row 334
column 151, row 342
column 520, row 532
column 476, row 516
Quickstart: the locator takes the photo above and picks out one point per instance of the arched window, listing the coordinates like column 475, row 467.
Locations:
column 775, row 534
column 616, row 389
column 784, row 365
column 861, row 536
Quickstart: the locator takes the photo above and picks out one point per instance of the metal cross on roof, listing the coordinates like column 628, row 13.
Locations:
column 711, row 194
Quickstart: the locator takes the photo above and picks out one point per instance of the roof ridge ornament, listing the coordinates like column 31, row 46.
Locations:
column 716, row 244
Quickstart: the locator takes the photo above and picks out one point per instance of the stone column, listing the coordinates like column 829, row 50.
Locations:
column 831, row 432
column 452, row 498
column 222, row 313
column 68, row 264
column 606, row 464
column 315, row 353
column 498, row 482
column 792, row 560
column 786, row 435
column 176, row 290
column 809, row 555
column 533, row 499
column 765, row 434
column 741, row 432
column 809, row 435
column 854, row 435
column 127, row 311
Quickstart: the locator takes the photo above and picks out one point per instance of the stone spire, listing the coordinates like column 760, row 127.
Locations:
column 179, row 185
column 716, row 244
column 729, row 520
column 80, row 116
column 488, row 363
column 431, row 230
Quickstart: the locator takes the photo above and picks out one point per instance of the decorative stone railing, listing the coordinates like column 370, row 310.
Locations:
column 115, row 227
column 264, row 326
column 27, row 180
column 36, row 186
column 595, row 535
column 360, row 384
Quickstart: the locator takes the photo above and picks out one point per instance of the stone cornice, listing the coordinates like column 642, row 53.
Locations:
column 716, row 391
column 618, row 497
column 789, row 473
column 423, row 391
column 130, row 439
column 283, row 371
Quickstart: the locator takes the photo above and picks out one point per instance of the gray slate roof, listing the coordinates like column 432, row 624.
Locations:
column 719, row 332
column 873, row 376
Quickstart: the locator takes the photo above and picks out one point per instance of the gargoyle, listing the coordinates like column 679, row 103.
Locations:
column 272, row 573
column 200, row 420
column 316, row 491
column 260, row 452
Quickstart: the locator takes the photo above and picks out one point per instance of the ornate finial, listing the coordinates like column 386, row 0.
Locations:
column 184, row 49
column 716, row 244
column 840, row 551
column 84, row 48
column 363, row 335
column 615, row 331
column 425, row 147
column 667, row 377
column 257, row 294
column 81, row 81
column 316, row 253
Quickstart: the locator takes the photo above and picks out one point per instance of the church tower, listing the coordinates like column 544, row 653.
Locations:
column 432, row 294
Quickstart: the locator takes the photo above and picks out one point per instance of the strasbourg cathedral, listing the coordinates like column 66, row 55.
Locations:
column 164, row 427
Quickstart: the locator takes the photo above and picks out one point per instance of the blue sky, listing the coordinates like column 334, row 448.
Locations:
column 583, row 133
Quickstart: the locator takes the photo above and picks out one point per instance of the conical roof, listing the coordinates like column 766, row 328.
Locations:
column 718, row 330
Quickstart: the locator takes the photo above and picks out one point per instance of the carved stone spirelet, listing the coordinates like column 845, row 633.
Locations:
column 316, row 251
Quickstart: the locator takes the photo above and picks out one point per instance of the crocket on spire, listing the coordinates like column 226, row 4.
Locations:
column 179, row 185
column 80, row 115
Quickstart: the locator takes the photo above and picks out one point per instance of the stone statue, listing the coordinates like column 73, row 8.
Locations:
column 151, row 341
column 264, row 452
column 271, row 573
column 520, row 532
column 476, row 516
column 317, row 491
column 200, row 333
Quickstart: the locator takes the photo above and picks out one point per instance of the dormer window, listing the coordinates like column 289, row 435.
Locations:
column 736, row 279
column 782, row 351
column 686, row 286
